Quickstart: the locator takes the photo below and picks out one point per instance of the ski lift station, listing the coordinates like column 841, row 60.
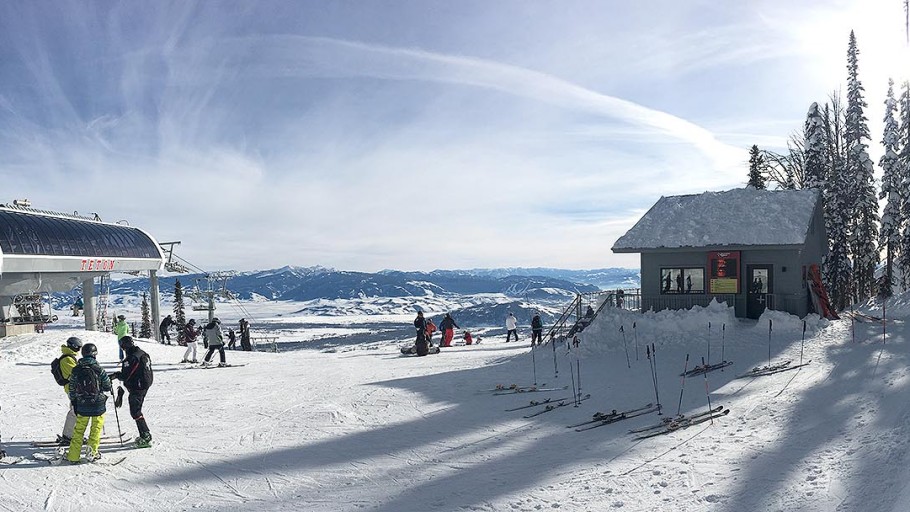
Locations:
column 43, row 252
column 753, row 249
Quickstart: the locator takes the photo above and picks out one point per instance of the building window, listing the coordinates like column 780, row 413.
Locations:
column 682, row 280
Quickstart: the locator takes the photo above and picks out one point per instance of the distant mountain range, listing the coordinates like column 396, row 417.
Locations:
column 479, row 295
column 309, row 283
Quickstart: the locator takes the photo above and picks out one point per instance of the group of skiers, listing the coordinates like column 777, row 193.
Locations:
column 425, row 329
column 191, row 332
column 87, row 385
column 212, row 339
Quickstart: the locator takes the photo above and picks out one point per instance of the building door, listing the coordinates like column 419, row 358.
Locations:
column 759, row 289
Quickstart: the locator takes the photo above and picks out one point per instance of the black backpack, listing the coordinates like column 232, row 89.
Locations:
column 84, row 380
column 57, row 372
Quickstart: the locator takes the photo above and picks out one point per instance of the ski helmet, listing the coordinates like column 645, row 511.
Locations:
column 89, row 350
column 74, row 343
column 126, row 342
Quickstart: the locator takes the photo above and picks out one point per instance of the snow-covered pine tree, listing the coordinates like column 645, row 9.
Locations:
column 179, row 313
column 903, row 142
column 756, row 166
column 858, row 172
column 145, row 328
column 837, row 269
column 892, row 178
column 816, row 153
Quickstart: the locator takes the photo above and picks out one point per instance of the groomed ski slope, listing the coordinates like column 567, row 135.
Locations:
column 370, row 429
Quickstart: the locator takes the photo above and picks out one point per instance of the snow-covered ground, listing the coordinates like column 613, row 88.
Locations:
column 366, row 428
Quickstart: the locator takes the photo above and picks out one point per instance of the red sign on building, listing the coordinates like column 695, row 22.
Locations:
column 723, row 272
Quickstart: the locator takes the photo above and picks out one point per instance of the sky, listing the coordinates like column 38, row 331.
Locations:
column 412, row 135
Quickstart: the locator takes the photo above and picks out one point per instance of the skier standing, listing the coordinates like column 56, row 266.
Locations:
column 163, row 328
column 121, row 329
column 232, row 339
column 89, row 385
column 536, row 329
column 511, row 327
column 447, row 328
column 245, row 335
column 215, row 341
column 137, row 376
column 69, row 352
column 189, row 335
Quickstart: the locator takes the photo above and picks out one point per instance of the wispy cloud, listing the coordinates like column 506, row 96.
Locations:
column 321, row 136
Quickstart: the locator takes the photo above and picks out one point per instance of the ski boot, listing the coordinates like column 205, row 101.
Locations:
column 144, row 441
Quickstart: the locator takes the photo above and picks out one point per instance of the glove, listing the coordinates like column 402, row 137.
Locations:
column 119, row 400
column 115, row 375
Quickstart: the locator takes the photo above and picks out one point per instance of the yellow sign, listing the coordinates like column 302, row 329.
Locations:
column 724, row 285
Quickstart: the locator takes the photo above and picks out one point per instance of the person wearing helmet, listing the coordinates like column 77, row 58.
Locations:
column 215, row 341
column 89, row 388
column 69, row 352
column 121, row 329
column 137, row 377
column 189, row 336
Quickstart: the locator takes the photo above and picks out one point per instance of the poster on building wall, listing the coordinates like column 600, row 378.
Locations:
column 723, row 272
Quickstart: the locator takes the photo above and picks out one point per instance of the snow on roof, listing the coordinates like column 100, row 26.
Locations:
column 743, row 216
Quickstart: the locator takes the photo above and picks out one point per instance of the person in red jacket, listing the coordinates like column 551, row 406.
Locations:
column 431, row 328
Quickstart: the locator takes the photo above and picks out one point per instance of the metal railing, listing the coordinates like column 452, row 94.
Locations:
column 585, row 308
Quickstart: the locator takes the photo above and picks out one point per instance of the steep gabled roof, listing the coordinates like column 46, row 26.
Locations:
column 735, row 217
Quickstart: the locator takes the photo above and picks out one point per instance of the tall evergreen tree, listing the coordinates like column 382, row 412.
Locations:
column 816, row 152
column 860, row 187
column 903, row 142
column 179, row 312
column 837, row 268
column 756, row 166
column 145, row 328
column 892, row 179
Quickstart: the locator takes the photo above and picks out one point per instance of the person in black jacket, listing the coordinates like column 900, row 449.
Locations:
column 447, row 328
column 137, row 376
column 162, row 329
column 421, row 346
column 536, row 330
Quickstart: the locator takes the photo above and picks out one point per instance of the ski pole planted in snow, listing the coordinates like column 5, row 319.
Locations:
column 709, row 343
column 723, row 339
column 555, row 367
column 578, row 371
column 708, row 393
column 656, row 394
column 534, row 363
column 682, row 385
column 628, row 362
column 574, row 388
column 769, row 342
column 116, row 415
column 802, row 343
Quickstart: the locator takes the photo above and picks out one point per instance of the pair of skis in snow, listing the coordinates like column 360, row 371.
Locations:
column 535, row 403
column 527, row 389
column 600, row 419
column 771, row 369
column 680, row 422
column 698, row 370
column 553, row 406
